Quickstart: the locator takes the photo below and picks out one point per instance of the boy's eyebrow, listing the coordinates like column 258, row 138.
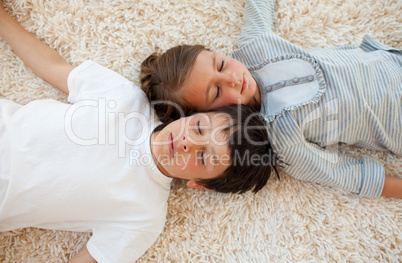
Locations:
column 209, row 84
column 212, row 156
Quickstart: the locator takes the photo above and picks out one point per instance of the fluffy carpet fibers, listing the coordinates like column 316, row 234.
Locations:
column 289, row 220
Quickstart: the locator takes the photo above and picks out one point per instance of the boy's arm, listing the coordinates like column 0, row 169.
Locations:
column 392, row 187
column 82, row 257
column 44, row 61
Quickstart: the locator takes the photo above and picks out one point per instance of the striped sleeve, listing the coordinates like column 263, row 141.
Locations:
column 308, row 162
column 258, row 19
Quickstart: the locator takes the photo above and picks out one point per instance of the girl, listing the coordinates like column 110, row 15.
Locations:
column 310, row 98
column 104, row 164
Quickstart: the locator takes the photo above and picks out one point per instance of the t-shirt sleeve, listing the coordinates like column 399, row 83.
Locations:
column 309, row 162
column 119, row 245
column 93, row 81
column 258, row 19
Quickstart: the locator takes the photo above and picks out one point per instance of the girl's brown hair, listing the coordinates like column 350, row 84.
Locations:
column 162, row 77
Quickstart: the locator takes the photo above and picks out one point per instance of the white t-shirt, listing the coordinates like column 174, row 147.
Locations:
column 85, row 166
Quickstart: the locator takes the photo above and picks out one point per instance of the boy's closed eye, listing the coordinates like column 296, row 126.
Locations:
column 199, row 128
column 202, row 157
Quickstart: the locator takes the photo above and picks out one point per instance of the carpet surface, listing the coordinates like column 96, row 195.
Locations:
column 289, row 220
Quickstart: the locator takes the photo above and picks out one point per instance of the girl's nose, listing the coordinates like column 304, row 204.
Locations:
column 231, row 79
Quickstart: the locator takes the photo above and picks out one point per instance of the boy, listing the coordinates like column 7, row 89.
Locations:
column 104, row 164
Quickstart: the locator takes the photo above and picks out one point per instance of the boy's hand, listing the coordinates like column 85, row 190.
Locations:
column 44, row 61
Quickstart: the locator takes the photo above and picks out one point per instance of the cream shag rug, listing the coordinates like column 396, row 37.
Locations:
column 289, row 220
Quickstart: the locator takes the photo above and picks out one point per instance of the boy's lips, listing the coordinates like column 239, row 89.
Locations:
column 171, row 145
column 243, row 87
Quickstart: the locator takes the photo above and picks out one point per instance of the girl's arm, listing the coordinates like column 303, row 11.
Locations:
column 258, row 19
column 392, row 187
column 44, row 61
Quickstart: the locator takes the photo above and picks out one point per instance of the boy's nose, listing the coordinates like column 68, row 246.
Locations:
column 185, row 144
column 190, row 144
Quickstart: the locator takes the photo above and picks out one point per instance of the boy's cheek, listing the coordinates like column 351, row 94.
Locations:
column 189, row 167
column 192, row 167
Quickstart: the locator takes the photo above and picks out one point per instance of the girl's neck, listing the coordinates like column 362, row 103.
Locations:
column 256, row 101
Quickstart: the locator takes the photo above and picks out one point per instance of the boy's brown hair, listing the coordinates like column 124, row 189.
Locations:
column 250, row 152
column 251, row 156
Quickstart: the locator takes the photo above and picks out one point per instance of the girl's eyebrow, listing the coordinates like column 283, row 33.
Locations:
column 209, row 84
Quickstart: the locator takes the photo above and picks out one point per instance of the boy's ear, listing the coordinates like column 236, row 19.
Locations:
column 193, row 184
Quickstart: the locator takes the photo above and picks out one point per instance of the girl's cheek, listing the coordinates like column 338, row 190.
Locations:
column 232, row 98
column 225, row 100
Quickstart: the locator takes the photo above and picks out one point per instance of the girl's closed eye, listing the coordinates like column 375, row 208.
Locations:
column 222, row 64
column 218, row 88
column 218, row 92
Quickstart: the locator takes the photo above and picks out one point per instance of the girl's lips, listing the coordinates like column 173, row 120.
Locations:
column 171, row 145
column 243, row 87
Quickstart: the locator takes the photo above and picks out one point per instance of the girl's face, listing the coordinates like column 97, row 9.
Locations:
column 216, row 80
column 192, row 148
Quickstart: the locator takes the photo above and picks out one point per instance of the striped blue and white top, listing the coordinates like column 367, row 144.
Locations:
column 315, row 98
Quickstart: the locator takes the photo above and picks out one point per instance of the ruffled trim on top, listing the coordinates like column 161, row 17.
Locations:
column 318, row 73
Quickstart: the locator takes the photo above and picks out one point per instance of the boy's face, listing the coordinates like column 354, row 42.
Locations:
column 192, row 148
column 216, row 80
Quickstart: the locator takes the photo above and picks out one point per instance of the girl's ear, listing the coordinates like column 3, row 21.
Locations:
column 193, row 184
